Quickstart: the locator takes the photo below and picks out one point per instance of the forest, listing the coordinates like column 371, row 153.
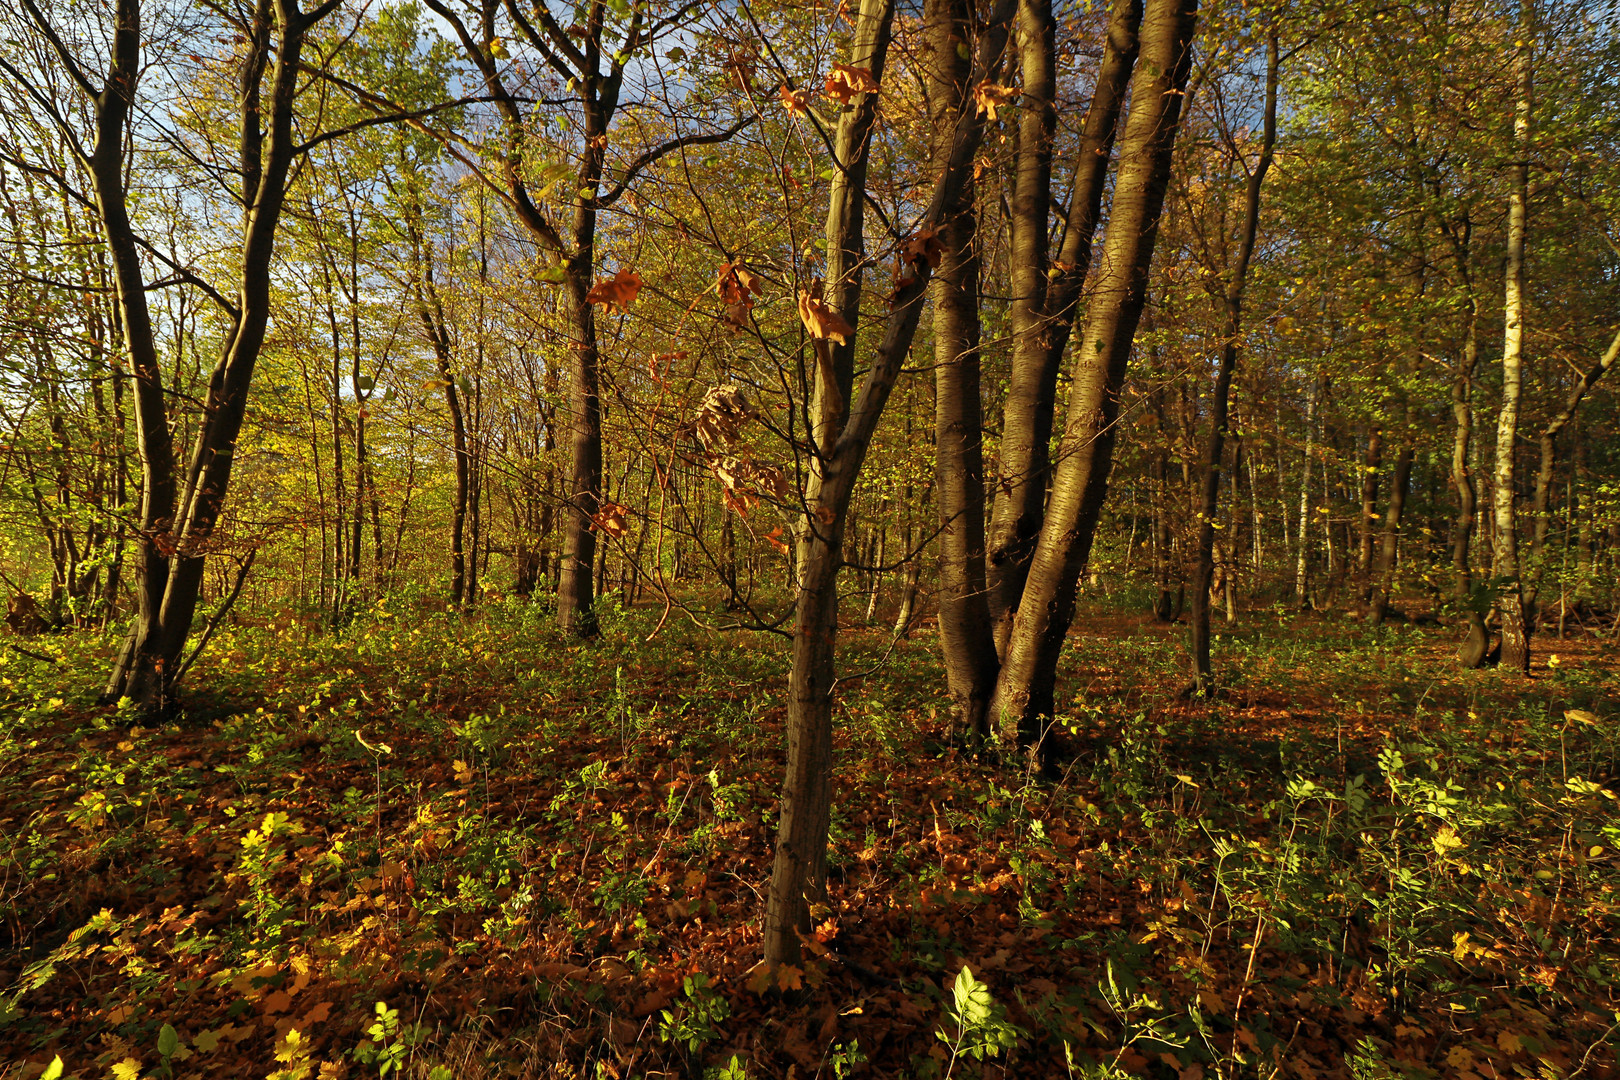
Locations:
column 611, row 539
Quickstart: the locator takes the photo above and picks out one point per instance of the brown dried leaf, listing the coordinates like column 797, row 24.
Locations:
column 848, row 82
column 618, row 291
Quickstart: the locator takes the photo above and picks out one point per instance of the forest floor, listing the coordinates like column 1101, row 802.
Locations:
column 460, row 848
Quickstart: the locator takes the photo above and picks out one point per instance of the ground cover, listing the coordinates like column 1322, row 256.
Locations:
column 445, row 847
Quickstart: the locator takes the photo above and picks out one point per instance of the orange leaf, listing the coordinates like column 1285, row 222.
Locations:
column 610, row 519
column 759, row 978
column 823, row 322
column 989, row 96
column 618, row 291
column 774, row 538
column 848, row 82
column 796, row 102
column 924, row 246
column 789, row 977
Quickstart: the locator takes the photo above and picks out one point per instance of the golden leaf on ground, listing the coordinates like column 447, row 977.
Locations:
column 618, row 291
column 848, row 82
column 463, row 771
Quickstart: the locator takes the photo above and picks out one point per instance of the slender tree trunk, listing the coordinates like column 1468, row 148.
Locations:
column 1209, row 493
column 1302, row 592
column 965, row 636
column 1476, row 642
column 1024, row 692
column 1044, row 305
column 1371, row 463
column 1515, row 633
column 799, row 869
column 1389, row 542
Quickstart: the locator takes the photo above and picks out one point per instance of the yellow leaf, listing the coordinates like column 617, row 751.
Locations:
column 1460, row 1057
column 128, row 1069
column 207, row 1041
column 1509, row 1042
column 1580, row 716
column 464, row 773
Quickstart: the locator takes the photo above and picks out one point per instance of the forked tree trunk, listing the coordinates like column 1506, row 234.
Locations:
column 178, row 514
column 1046, row 295
column 1515, row 634
column 799, row 868
column 1541, row 500
column 1210, row 488
column 1024, row 692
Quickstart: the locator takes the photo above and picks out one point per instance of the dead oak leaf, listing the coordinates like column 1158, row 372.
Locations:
column 823, row 322
column 796, row 102
column 610, row 519
column 618, row 291
column 847, row 82
column 989, row 96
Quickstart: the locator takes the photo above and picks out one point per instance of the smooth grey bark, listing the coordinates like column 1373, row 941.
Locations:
column 1023, row 701
column 966, row 641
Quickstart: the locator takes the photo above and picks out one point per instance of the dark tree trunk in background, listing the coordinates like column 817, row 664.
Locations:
column 1210, row 487
column 1400, row 484
column 1371, row 463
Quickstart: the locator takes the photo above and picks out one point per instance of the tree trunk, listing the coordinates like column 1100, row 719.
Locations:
column 1389, row 542
column 799, row 868
column 1044, row 306
column 1024, row 692
column 1476, row 642
column 1370, row 465
column 1302, row 567
column 1515, row 634
column 1209, row 493
column 177, row 521
column 965, row 636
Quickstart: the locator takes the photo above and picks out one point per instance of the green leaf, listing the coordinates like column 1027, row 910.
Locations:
column 168, row 1040
column 365, row 383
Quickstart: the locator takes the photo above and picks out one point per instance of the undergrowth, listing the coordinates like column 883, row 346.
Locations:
column 434, row 846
